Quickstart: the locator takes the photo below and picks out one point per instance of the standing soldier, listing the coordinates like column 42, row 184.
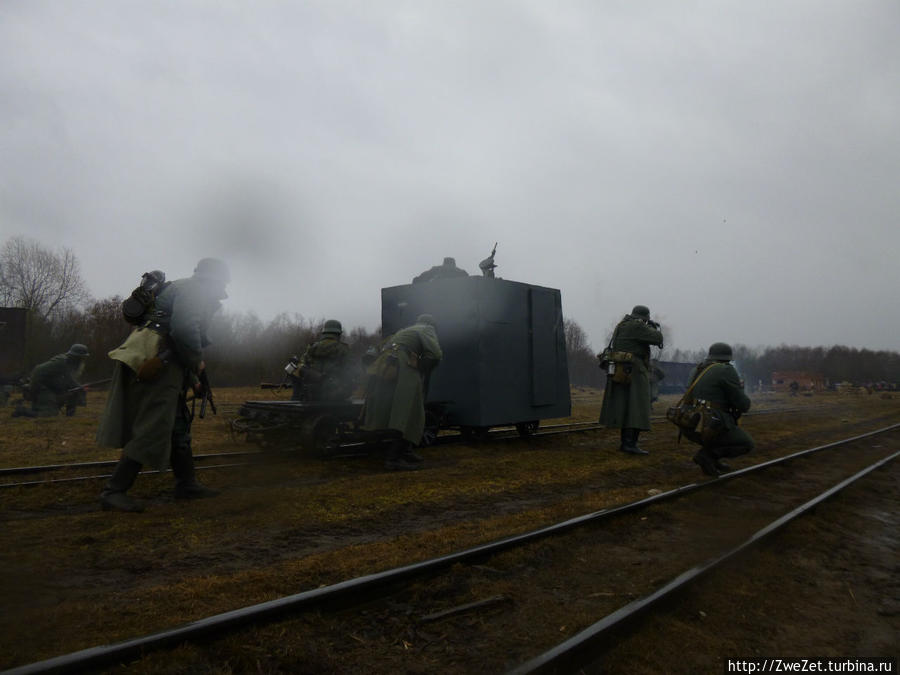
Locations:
column 396, row 398
column 626, row 403
column 719, row 384
column 146, row 413
column 54, row 384
column 322, row 374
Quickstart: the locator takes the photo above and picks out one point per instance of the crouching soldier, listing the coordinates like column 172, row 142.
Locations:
column 322, row 373
column 395, row 398
column 718, row 383
column 54, row 384
column 146, row 413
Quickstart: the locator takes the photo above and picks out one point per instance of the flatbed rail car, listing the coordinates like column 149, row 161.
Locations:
column 504, row 364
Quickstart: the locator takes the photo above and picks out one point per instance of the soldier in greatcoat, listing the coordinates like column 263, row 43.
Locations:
column 626, row 405
column 395, row 398
column 720, row 385
column 323, row 373
column 54, row 384
column 146, row 413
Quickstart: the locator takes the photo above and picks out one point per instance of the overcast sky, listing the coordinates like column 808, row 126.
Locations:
column 733, row 165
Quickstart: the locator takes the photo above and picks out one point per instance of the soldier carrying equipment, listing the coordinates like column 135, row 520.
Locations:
column 140, row 303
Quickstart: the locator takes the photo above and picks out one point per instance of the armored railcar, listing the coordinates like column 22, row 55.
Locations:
column 504, row 349
column 504, row 364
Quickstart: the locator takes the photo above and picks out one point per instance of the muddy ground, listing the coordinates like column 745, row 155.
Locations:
column 72, row 576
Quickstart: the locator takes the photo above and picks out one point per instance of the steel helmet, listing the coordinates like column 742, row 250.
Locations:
column 641, row 311
column 213, row 268
column 427, row 319
column 720, row 351
column 333, row 327
column 78, row 349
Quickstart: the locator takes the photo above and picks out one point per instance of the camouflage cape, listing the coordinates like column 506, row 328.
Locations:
column 398, row 401
column 328, row 357
column 627, row 406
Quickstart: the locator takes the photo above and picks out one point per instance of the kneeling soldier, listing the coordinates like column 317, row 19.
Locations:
column 720, row 385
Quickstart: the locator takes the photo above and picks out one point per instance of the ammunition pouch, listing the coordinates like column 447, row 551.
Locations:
column 618, row 365
column 386, row 366
column 697, row 419
column 150, row 369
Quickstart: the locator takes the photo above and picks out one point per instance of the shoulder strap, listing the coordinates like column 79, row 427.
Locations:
column 696, row 380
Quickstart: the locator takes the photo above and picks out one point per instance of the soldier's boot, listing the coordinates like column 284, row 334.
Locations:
column 186, row 484
column 629, row 442
column 706, row 462
column 114, row 497
column 397, row 457
column 721, row 466
column 411, row 455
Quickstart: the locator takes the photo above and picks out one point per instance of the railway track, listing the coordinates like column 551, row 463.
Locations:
column 208, row 460
column 794, row 484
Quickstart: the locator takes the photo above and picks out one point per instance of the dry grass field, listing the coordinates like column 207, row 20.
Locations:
column 73, row 576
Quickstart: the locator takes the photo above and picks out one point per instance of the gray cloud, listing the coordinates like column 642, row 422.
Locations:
column 732, row 165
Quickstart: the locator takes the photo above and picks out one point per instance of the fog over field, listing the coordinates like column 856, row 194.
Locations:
column 732, row 165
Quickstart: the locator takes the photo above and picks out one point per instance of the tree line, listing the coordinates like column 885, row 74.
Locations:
column 246, row 350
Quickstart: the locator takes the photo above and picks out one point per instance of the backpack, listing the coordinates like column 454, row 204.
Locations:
column 143, row 298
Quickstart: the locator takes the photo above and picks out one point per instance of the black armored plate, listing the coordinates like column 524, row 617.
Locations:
column 504, row 347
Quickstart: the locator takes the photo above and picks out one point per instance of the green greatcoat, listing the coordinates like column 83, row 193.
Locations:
column 627, row 406
column 721, row 386
column 396, row 399
column 50, row 383
column 140, row 415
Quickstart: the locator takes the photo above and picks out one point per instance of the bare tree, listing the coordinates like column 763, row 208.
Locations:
column 36, row 278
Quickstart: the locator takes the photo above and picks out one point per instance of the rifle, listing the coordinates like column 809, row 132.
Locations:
column 207, row 394
column 275, row 385
column 84, row 387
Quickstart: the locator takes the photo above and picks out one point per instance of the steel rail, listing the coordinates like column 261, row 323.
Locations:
column 568, row 656
column 47, row 468
column 77, row 479
column 504, row 433
column 354, row 590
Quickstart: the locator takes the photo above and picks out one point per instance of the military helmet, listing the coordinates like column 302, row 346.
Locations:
column 426, row 319
column 78, row 349
column 214, row 269
column 449, row 262
column 642, row 311
column 720, row 351
column 333, row 327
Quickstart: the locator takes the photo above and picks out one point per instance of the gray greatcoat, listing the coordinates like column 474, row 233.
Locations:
column 721, row 386
column 396, row 399
column 140, row 413
column 627, row 406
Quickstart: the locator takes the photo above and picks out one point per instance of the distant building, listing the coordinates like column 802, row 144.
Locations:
column 14, row 328
column 782, row 379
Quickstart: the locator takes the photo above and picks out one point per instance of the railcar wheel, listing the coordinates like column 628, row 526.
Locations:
column 475, row 434
column 527, row 428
